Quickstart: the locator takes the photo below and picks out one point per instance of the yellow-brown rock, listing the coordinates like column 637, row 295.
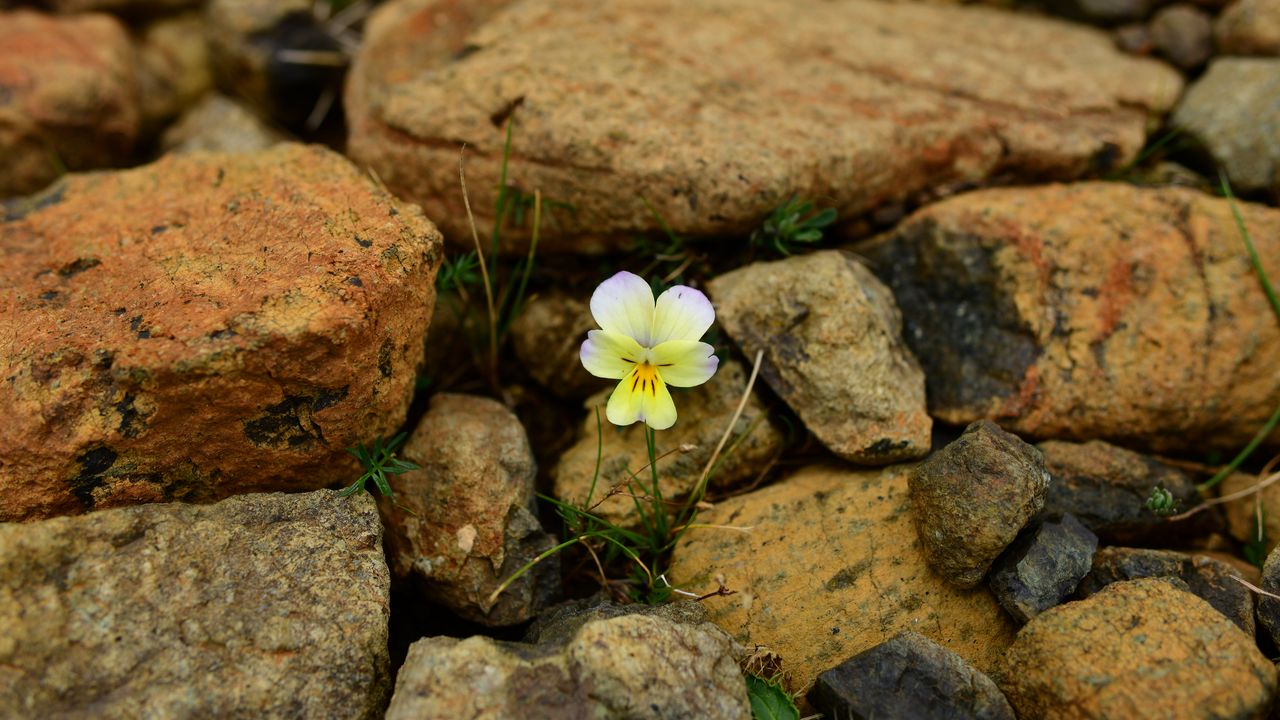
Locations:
column 715, row 112
column 1139, row 648
column 831, row 566
column 204, row 326
column 1091, row 311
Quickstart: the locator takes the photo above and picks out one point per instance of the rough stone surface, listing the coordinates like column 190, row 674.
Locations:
column 129, row 8
column 1091, row 311
column 1183, row 34
column 1106, row 488
column 257, row 606
column 909, row 676
column 173, row 70
column 245, row 40
column 1242, row 513
column 469, row 523
column 68, row 97
column 204, row 326
column 710, row 124
column 1249, row 27
column 1232, row 111
column 1269, row 608
column 637, row 662
column 1042, row 566
column 705, row 412
column 1206, row 577
column 832, row 341
column 972, row 497
column 219, row 124
column 1141, row 648
column 831, row 567
column 547, row 338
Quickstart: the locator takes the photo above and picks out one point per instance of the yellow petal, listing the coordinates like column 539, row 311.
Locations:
column 685, row 363
column 682, row 313
column 642, row 396
column 610, row 355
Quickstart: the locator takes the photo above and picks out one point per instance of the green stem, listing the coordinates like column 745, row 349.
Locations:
column 659, row 506
column 595, row 477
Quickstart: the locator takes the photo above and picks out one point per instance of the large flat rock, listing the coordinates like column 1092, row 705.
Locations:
column 204, row 326
column 831, row 566
column 717, row 111
column 1091, row 311
column 258, row 606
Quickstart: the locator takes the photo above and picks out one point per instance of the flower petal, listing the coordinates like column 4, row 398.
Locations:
column 642, row 397
column 685, row 363
column 623, row 304
column 610, row 355
column 682, row 313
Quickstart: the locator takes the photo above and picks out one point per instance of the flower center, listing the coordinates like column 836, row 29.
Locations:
column 645, row 379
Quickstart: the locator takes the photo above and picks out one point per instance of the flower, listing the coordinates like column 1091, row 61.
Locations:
column 648, row 345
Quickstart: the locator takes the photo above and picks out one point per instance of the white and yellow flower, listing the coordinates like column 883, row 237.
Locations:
column 648, row 345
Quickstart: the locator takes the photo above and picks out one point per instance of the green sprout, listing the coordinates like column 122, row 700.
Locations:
column 769, row 699
column 378, row 462
column 458, row 272
column 1162, row 502
column 795, row 221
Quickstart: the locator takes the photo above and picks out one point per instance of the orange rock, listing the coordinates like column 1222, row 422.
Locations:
column 1091, row 311
column 68, row 97
column 204, row 326
column 831, row 566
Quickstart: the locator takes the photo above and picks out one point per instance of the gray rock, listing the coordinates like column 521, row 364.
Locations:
column 1042, row 566
column 1233, row 110
column 664, row 662
column 1249, row 27
column 908, row 676
column 1139, row 648
column 1183, row 34
column 971, row 498
column 1269, row 608
column 257, row 606
column 1204, row 576
column 219, row 124
column 464, row 522
column 1106, row 487
column 832, row 340
column 1134, row 38
column 1106, row 11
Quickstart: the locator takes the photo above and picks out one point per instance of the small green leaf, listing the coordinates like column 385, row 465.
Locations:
column 769, row 701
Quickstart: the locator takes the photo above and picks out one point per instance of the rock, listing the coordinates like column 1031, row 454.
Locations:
column 710, row 126
column 705, row 413
column 249, row 45
column 832, row 341
column 1141, row 648
column 465, row 520
column 1134, row 38
column 257, row 606
column 1107, row 487
column 1105, row 11
column 1242, row 513
column 831, row 567
column 173, row 71
column 909, row 676
column 204, row 326
column 547, row 337
column 1042, row 566
column 633, row 662
column 1269, row 607
column 1231, row 112
column 219, row 124
column 1249, row 27
column 971, row 498
column 68, row 97
column 1183, row 34
column 1091, row 311
column 1210, row 579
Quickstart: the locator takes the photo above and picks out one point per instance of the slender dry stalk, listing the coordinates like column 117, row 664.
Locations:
column 484, row 274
